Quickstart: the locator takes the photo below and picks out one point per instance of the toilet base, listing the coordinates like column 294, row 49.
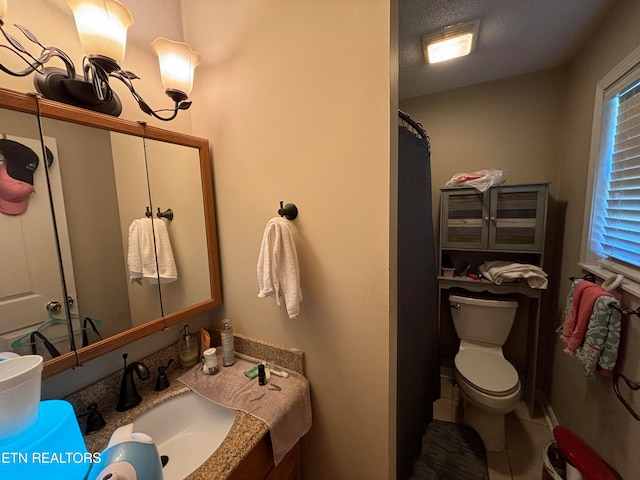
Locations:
column 489, row 425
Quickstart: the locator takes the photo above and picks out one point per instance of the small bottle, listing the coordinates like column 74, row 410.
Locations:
column 267, row 370
column 262, row 377
column 210, row 361
column 188, row 349
column 227, row 343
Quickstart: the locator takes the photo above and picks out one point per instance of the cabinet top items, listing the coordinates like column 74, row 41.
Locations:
column 506, row 218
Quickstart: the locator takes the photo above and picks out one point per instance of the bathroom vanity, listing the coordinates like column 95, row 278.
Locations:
column 246, row 451
column 508, row 223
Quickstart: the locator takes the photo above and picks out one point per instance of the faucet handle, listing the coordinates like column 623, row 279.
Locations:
column 95, row 421
column 162, row 382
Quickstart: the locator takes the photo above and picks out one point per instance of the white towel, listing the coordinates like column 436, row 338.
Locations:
column 278, row 272
column 501, row 271
column 141, row 256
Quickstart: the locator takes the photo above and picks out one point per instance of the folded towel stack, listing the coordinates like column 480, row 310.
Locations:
column 278, row 272
column 499, row 272
column 591, row 328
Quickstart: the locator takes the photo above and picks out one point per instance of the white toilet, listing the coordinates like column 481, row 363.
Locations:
column 489, row 384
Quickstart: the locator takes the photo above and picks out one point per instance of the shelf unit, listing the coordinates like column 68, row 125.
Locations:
column 507, row 222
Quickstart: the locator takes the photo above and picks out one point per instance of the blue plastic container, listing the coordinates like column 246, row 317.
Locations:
column 53, row 448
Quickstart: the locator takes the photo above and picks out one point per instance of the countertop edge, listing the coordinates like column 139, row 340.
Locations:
column 245, row 433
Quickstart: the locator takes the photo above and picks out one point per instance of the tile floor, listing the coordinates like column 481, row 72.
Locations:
column 526, row 437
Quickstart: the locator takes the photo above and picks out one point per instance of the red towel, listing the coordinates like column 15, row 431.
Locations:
column 575, row 325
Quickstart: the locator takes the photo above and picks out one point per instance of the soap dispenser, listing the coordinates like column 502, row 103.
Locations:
column 188, row 349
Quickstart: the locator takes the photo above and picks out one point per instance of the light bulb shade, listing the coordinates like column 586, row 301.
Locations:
column 102, row 26
column 450, row 42
column 3, row 8
column 450, row 48
column 177, row 64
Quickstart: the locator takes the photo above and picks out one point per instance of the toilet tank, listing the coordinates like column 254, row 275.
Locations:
column 485, row 320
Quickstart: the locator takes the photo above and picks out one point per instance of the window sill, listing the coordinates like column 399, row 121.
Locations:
column 630, row 286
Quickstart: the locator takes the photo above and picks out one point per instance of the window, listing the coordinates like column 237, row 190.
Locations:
column 612, row 229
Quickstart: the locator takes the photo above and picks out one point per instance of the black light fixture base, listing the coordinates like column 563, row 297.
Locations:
column 54, row 84
column 176, row 95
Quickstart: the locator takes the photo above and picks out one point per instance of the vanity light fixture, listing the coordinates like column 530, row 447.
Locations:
column 450, row 42
column 102, row 27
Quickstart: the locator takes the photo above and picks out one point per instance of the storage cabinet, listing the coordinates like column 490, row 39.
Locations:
column 258, row 464
column 507, row 222
column 505, row 218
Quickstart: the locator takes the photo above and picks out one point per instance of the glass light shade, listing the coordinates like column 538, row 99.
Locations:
column 450, row 48
column 102, row 26
column 3, row 8
column 177, row 64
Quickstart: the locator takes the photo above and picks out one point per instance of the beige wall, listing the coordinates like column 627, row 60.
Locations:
column 589, row 406
column 511, row 124
column 295, row 100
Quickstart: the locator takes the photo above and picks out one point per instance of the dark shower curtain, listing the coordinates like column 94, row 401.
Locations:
column 418, row 360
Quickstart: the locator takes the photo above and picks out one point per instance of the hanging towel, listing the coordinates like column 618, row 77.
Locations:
column 580, row 310
column 500, row 271
column 278, row 272
column 600, row 348
column 141, row 256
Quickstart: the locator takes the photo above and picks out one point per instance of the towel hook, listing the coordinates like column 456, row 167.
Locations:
column 289, row 211
column 168, row 214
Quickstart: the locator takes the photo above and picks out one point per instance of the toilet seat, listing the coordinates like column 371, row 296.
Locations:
column 487, row 372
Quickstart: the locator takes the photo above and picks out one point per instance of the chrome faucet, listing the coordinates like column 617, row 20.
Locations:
column 129, row 396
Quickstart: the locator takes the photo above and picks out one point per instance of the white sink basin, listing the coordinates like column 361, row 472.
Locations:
column 187, row 429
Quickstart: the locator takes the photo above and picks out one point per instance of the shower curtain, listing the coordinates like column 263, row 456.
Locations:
column 418, row 372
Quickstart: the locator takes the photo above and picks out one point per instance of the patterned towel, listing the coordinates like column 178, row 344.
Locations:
column 584, row 297
column 600, row 347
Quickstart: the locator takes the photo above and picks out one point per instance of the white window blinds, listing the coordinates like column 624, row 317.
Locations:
column 620, row 234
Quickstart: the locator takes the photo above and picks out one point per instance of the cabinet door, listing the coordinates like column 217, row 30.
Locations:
column 187, row 236
column 463, row 220
column 517, row 218
column 30, row 276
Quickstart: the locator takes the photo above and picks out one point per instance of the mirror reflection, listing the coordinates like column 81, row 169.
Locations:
column 33, row 317
column 181, row 193
column 96, row 208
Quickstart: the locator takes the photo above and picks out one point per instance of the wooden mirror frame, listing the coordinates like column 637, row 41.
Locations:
column 30, row 103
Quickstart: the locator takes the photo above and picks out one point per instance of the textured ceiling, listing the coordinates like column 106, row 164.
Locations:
column 515, row 37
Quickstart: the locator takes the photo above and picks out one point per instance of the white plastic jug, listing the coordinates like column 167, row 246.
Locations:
column 20, row 380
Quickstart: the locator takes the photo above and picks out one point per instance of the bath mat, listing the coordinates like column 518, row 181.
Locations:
column 451, row 451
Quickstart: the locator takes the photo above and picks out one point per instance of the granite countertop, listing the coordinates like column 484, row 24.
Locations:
column 244, row 435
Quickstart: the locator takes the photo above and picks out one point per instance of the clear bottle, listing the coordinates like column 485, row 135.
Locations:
column 227, row 343
column 188, row 349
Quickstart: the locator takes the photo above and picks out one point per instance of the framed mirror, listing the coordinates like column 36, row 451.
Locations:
column 33, row 316
column 115, row 176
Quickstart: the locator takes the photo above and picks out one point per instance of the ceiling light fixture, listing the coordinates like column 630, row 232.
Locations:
column 102, row 27
column 450, row 42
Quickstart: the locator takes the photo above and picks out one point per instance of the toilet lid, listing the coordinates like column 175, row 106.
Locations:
column 488, row 372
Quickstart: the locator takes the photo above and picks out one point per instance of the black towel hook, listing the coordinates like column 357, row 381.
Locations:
column 168, row 213
column 289, row 211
